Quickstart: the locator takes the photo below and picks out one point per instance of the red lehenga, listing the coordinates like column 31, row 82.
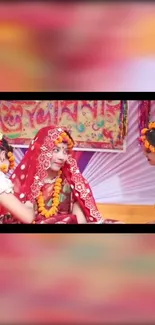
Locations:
column 31, row 173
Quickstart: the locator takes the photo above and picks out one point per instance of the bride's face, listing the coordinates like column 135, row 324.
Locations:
column 60, row 155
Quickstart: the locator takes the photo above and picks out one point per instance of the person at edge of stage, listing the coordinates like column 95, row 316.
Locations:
column 9, row 204
column 148, row 145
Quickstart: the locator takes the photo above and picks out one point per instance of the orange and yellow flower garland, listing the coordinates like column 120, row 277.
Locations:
column 4, row 168
column 56, row 192
column 143, row 138
column 64, row 137
column 11, row 160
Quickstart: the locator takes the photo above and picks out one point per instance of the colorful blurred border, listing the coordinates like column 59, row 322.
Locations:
column 80, row 278
column 77, row 46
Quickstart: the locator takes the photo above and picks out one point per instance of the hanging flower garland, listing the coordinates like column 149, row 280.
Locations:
column 56, row 192
column 4, row 168
column 143, row 138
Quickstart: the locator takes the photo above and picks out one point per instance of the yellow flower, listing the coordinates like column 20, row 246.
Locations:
column 42, row 205
column 40, row 201
column 1, row 136
column 54, row 210
column 56, row 201
column 41, row 209
column 147, row 144
column 144, row 131
column 10, row 154
column 151, row 125
column 56, row 192
column 60, row 139
column 152, row 149
column 56, row 195
column 59, row 180
column 11, row 159
column 12, row 165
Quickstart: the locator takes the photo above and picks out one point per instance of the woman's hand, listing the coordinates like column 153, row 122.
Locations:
column 11, row 204
column 29, row 205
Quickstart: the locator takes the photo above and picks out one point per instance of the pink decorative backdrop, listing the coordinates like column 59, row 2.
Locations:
column 94, row 125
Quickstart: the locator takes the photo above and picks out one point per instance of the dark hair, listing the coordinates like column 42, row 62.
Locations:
column 4, row 146
column 69, row 136
column 150, row 136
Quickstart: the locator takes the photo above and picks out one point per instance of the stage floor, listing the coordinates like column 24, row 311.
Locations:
column 128, row 213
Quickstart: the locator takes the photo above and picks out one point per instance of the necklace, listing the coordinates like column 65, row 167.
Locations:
column 50, row 181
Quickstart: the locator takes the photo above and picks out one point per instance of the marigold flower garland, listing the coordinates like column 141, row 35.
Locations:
column 143, row 138
column 11, row 160
column 41, row 203
column 65, row 138
column 4, row 168
column 57, row 186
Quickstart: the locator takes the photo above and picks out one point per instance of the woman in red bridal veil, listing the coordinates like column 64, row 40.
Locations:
column 49, row 179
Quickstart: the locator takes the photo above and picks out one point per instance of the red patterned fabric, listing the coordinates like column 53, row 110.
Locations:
column 29, row 175
column 59, row 218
